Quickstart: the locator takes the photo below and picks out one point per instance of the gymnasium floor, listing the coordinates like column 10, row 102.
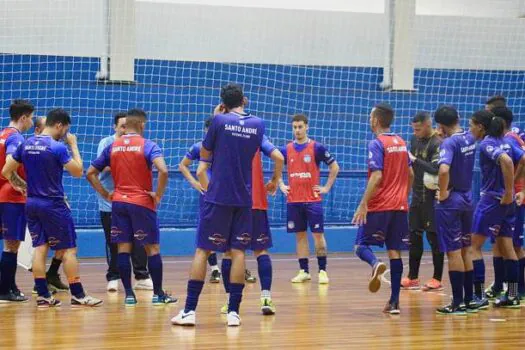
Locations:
column 343, row 315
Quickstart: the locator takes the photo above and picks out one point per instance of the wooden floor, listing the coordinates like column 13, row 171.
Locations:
column 343, row 315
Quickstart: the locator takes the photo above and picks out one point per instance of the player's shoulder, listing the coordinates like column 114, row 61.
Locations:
column 108, row 140
column 196, row 146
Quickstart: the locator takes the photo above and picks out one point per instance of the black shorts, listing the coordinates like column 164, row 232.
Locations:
column 421, row 216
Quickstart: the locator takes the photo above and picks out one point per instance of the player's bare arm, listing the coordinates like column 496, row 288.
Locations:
column 373, row 183
column 443, row 181
column 184, row 168
column 202, row 170
column 74, row 166
column 92, row 177
column 9, row 172
column 507, row 168
column 162, row 182
column 333, row 170
column 278, row 159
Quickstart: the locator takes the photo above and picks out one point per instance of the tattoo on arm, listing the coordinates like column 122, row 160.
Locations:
column 17, row 181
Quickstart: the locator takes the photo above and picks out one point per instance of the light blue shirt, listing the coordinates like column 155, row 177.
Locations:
column 105, row 177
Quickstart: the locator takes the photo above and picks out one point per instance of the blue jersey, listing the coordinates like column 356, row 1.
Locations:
column 459, row 152
column 233, row 138
column 105, row 177
column 194, row 154
column 44, row 160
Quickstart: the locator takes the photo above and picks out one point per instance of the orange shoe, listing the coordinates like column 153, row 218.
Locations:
column 408, row 284
column 432, row 285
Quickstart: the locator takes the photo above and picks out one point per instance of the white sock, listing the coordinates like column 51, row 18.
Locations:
column 266, row 294
column 215, row 268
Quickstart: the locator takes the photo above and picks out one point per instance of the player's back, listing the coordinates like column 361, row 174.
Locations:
column 392, row 194
column 10, row 137
column 461, row 149
column 492, row 182
column 234, row 139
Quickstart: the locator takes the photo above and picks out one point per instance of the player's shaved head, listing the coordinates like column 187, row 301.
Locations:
column 232, row 96
column 384, row 113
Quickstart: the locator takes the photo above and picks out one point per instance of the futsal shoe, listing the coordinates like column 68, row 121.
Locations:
column 323, row 277
column 233, row 319
column 432, row 285
column 130, row 301
column 483, row 304
column 146, row 284
column 112, row 286
column 492, row 293
column 184, row 319
column 163, row 299
column 87, row 301
column 410, row 284
column 472, row 307
column 43, row 302
column 392, row 308
column 301, row 277
column 375, row 281
column 18, row 292
column 215, row 276
column 54, row 283
column 450, row 309
column 267, row 306
column 224, row 309
column 506, row 302
column 11, row 297
column 248, row 277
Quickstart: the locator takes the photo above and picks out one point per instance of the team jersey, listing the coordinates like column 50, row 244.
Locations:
column 519, row 132
column 303, row 161
column 259, row 196
column 131, row 158
column 10, row 139
column 194, row 154
column 515, row 141
column 459, row 152
column 491, row 149
column 43, row 159
column 233, row 139
column 388, row 153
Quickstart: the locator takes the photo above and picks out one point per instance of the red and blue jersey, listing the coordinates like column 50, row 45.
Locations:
column 10, row 140
column 303, row 161
column 259, row 195
column 514, row 140
column 130, row 158
column 388, row 153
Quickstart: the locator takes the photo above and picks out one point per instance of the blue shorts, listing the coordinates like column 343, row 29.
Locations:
column 13, row 221
column 50, row 222
column 491, row 219
column 224, row 227
column 518, row 229
column 302, row 215
column 262, row 236
column 131, row 222
column 385, row 227
column 454, row 222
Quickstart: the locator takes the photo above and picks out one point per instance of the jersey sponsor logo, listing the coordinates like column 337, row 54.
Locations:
column 126, row 148
column 35, row 147
column 305, row 175
column 217, row 239
column 263, row 238
column 396, row 149
column 240, row 131
column 115, row 231
column 244, row 238
column 140, row 235
column 495, row 229
column 53, row 241
column 307, row 158
column 291, row 225
column 379, row 236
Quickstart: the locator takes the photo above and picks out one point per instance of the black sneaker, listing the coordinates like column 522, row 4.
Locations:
column 506, row 302
column 492, row 293
column 452, row 310
column 483, row 304
column 215, row 276
column 13, row 298
column 472, row 307
column 54, row 283
column 392, row 308
column 248, row 277
column 17, row 291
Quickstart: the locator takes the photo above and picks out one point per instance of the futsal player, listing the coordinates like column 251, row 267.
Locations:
column 304, row 193
column 382, row 213
column 424, row 154
column 495, row 212
column 226, row 219
column 12, row 202
column 134, row 204
column 49, row 218
column 454, row 209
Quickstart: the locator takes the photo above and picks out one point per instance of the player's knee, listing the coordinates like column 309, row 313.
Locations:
column 59, row 254
column 152, row 249
column 68, row 254
column 11, row 246
column 258, row 253
column 394, row 254
column 125, row 247
column 301, row 236
column 227, row 255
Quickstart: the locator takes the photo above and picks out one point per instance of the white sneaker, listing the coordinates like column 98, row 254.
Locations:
column 87, row 300
column 146, row 284
column 323, row 277
column 234, row 320
column 112, row 286
column 184, row 319
column 301, row 277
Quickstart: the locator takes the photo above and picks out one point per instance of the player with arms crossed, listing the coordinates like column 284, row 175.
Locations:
column 303, row 195
column 134, row 204
column 49, row 218
column 382, row 214
column 226, row 218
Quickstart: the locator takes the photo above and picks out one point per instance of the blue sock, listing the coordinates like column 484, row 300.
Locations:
column 212, row 259
column 457, row 280
column 321, row 261
column 468, row 286
column 194, row 291
column 76, row 289
column 264, row 265
column 303, row 265
column 226, row 268
column 479, row 278
column 41, row 287
column 155, row 271
column 499, row 273
column 124, row 267
column 521, row 278
column 365, row 253
column 235, row 297
column 7, row 271
column 396, row 272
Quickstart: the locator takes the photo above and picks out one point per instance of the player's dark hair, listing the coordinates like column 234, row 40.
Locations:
column 504, row 113
column 384, row 114
column 20, row 108
column 207, row 122
column 39, row 122
column 300, row 118
column 232, row 96
column 446, row 115
column 57, row 115
column 420, row 117
column 134, row 117
column 496, row 101
column 494, row 126
column 118, row 116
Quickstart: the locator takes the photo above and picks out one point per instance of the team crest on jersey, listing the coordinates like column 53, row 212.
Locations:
column 307, row 158
column 115, row 232
column 291, row 225
column 490, row 149
column 140, row 235
column 241, row 122
column 442, row 153
column 126, row 141
column 395, row 141
column 370, row 155
column 244, row 238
